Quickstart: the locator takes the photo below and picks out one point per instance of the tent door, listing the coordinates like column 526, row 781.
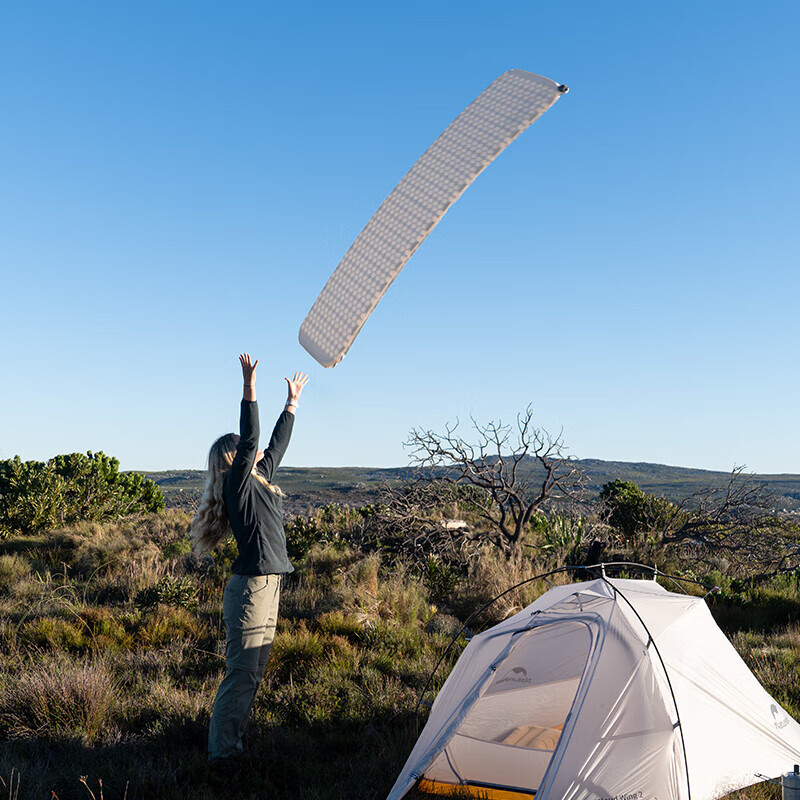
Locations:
column 507, row 738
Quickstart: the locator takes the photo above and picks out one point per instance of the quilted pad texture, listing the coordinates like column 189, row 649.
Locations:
column 472, row 141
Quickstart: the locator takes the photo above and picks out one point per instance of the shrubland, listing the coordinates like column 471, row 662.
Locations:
column 112, row 643
column 37, row 495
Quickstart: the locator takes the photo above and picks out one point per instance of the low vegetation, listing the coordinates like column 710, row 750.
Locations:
column 112, row 644
column 37, row 495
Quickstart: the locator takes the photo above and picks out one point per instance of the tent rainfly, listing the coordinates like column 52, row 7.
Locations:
column 605, row 690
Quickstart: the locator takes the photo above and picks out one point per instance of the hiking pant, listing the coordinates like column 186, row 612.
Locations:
column 250, row 613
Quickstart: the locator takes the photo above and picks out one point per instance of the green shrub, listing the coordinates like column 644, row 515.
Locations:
column 225, row 554
column 177, row 548
column 631, row 511
column 169, row 591
column 440, row 578
column 560, row 534
column 326, row 562
column 106, row 631
column 302, row 533
column 36, row 495
column 336, row 623
column 385, row 662
column 402, row 643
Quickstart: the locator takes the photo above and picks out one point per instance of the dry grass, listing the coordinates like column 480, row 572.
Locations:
column 13, row 568
column 166, row 625
column 775, row 661
column 759, row 791
column 58, row 699
column 402, row 597
column 92, row 684
column 492, row 574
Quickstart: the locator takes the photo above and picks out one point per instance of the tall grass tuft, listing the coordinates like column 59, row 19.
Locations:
column 294, row 654
column 403, row 598
column 167, row 625
column 58, row 699
column 492, row 575
column 13, row 568
column 12, row 785
column 54, row 633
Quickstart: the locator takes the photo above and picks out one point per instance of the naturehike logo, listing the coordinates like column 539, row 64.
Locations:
column 516, row 675
column 778, row 717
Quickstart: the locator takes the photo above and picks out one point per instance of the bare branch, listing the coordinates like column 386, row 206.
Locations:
column 502, row 467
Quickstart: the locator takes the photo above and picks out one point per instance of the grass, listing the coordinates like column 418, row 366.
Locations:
column 61, row 698
column 112, row 649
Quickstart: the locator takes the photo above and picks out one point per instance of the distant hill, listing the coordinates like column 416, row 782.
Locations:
column 309, row 487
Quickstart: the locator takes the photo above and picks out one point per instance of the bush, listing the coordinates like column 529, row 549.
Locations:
column 440, row 578
column 106, row 632
column 335, row 623
column 301, row 535
column 36, row 495
column 631, row 511
column 169, row 591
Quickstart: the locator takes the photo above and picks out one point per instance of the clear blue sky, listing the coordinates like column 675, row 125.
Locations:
column 179, row 179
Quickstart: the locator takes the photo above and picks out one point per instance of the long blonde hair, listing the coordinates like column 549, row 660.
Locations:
column 210, row 523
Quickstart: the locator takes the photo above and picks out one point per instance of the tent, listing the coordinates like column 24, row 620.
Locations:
column 612, row 689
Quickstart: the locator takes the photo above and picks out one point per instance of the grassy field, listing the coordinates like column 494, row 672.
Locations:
column 112, row 648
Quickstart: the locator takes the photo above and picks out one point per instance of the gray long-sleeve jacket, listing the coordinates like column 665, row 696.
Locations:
column 255, row 513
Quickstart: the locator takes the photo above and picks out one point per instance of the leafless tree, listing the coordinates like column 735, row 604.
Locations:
column 738, row 523
column 512, row 471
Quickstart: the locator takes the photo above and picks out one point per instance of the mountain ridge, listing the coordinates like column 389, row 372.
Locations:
column 308, row 487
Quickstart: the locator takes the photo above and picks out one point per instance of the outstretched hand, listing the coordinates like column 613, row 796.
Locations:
column 296, row 386
column 248, row 369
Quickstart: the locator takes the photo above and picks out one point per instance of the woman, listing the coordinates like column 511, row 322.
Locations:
column 239, row 496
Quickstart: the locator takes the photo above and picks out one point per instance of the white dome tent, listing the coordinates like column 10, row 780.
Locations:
column 612, row 689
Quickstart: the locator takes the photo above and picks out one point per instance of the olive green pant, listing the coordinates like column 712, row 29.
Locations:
column 250, row 613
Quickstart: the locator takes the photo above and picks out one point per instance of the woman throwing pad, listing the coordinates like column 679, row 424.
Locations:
column 239, row 496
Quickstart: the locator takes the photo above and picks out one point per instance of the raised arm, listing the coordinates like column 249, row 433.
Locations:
column 279, row 440
column 249, row 429
column 248, row 377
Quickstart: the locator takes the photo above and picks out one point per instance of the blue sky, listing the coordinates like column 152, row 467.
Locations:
column 179, row 179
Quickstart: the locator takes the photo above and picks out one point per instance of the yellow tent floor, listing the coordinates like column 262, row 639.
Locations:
column 481, row 792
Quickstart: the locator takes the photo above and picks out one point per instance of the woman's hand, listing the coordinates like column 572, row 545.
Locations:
column 296, row 386
column 248, row 376
column 248, row 369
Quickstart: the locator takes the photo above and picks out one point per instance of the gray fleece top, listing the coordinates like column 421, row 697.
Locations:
column 255, row 513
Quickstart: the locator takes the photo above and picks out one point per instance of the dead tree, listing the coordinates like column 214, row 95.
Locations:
column 514, row 472
column 736, row 522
